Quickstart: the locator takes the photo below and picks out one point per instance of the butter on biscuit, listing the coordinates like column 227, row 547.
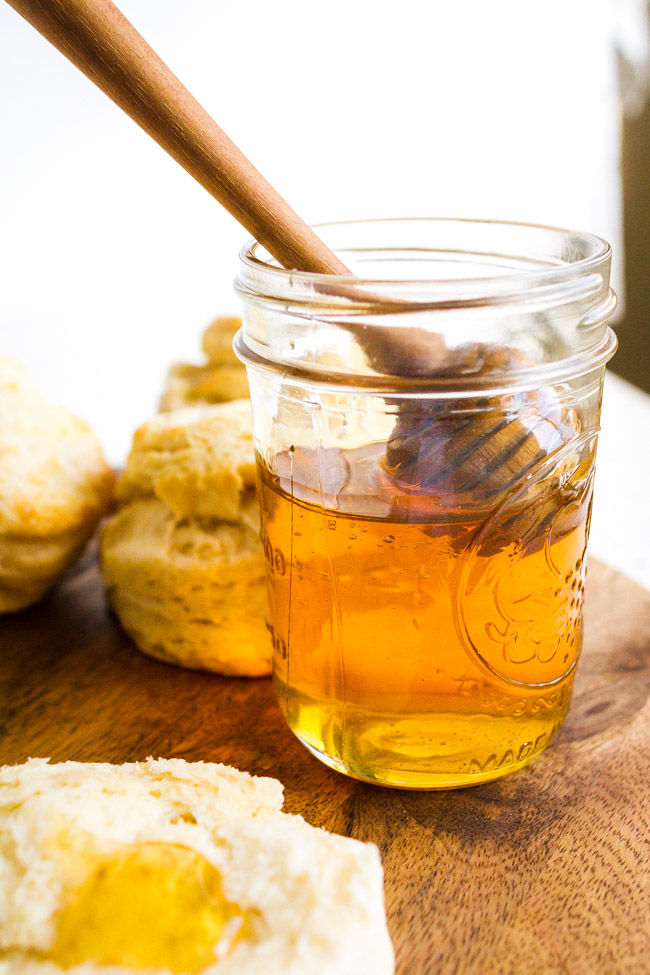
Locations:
column 176, row 867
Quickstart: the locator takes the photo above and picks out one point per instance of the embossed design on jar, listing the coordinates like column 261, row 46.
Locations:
column 512, row 756
column 521, row 586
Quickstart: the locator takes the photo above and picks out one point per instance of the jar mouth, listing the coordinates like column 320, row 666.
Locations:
column 446, row 297
column 476, row 262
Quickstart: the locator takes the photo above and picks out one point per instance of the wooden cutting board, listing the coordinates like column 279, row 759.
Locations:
column 543, row 873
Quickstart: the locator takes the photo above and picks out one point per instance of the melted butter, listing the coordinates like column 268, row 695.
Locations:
column 150, row 905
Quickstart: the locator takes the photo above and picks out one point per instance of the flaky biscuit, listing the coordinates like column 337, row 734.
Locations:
column 197, row 460
column 199, row 852
column 182, row 559
column 54, row 487
column 221, row 379
column 187, row 593
column 188, row 385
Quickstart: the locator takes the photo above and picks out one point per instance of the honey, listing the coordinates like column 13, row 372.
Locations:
column 419, row 642
column 426, row 430
column 153, row 905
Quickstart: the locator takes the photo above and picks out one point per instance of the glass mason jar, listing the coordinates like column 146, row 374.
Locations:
column 425, row 436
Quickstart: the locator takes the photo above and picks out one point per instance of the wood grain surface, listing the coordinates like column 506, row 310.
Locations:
column 547, row 871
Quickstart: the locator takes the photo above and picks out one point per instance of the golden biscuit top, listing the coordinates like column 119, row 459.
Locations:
column 53, row 475
column 199, row 460
column 217, row 340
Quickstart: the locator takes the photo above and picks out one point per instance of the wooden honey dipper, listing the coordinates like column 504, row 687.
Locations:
column 105, row 46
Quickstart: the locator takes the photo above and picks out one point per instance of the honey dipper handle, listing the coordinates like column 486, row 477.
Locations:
column 102, row 43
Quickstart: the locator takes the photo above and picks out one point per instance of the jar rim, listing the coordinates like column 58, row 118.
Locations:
column 542, row 291
column 600, row 253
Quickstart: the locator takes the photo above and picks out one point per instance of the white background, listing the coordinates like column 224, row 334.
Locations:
column 113, row 260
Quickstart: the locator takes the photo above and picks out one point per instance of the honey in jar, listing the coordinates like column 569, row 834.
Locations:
column 426, row 436
column 418, row 645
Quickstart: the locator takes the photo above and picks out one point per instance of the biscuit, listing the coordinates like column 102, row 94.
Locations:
column 188, row 385
column 198, row 460
column 218, row 338
column 221, row 379
column 182, row 560
column 54, row 487
column 181, row 867
column 186, row 593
